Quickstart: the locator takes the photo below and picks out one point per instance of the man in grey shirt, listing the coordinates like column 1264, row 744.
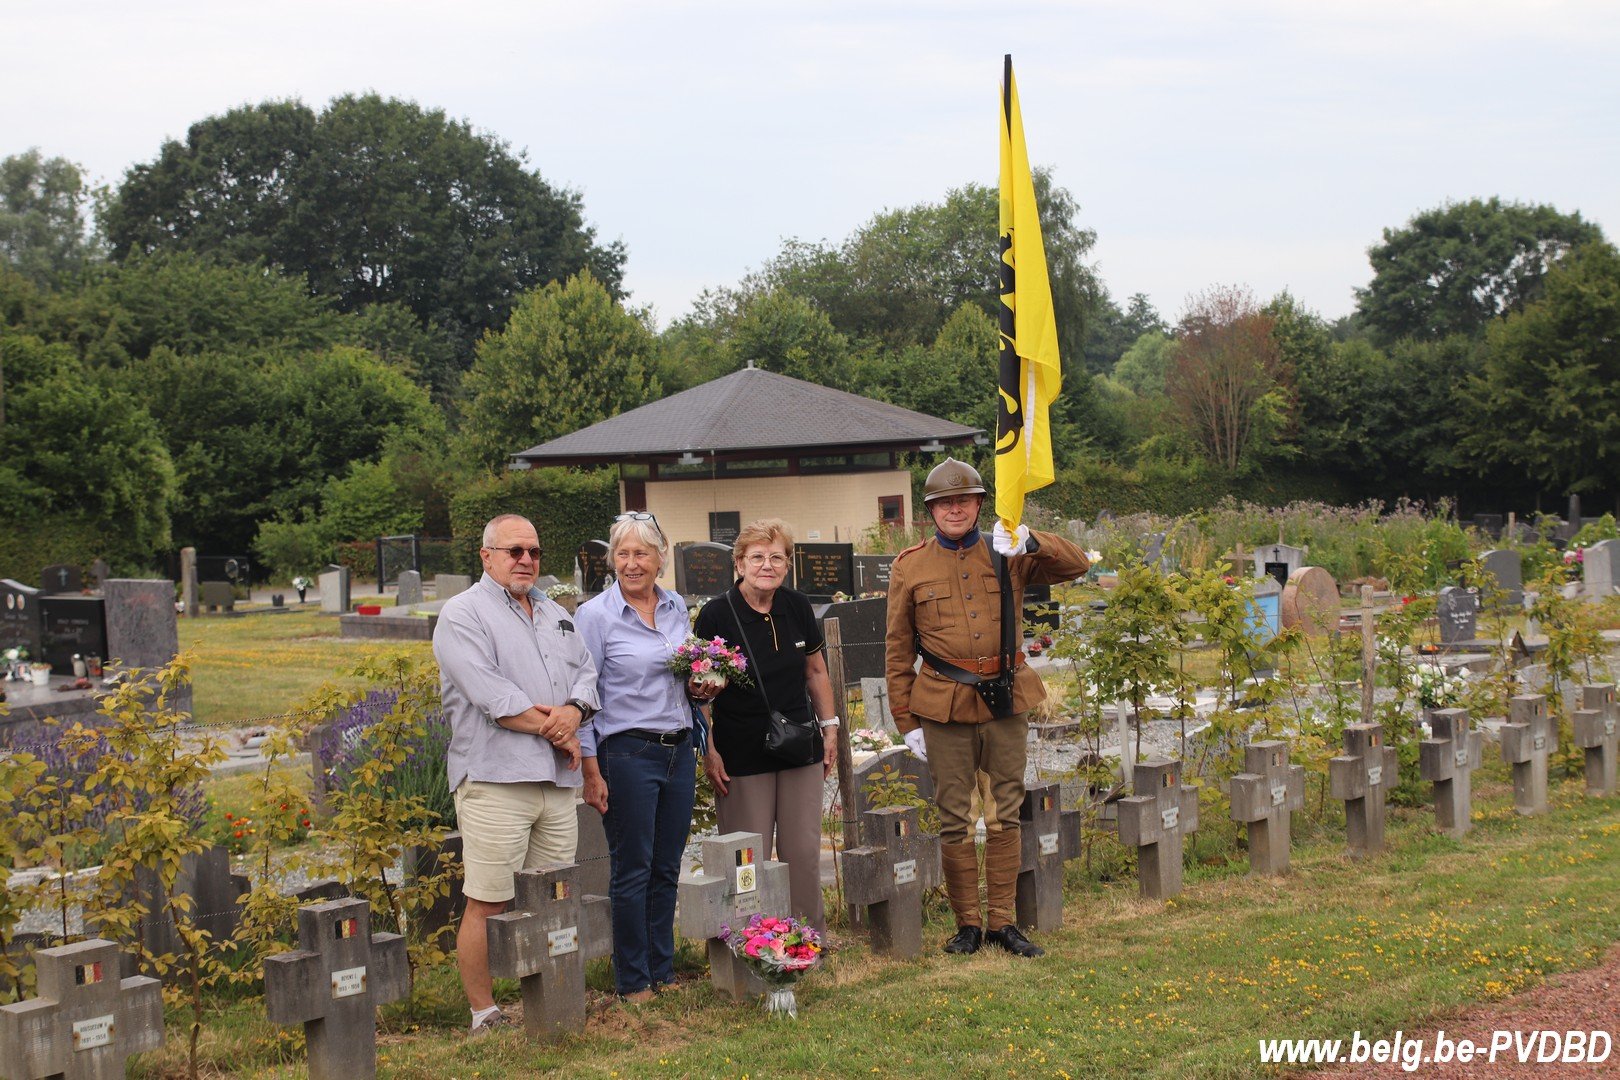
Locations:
column 517, row 682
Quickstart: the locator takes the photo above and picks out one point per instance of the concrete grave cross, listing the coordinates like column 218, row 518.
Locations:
column 1265, row 795
column 544, row 943
column 84, row 1022
column 1049, row 836
column 1449, row 759
column 333, row 985
column 887, row 875
column 734, row 884
column 1155, row 820
column 1528, row 740
column 1362, row 779
column 1595, row 732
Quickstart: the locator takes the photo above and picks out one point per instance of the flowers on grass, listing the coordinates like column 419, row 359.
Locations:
column 778, row 950
column 712, row 662
column 868, row 740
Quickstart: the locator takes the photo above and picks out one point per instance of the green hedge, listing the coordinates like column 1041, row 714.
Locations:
column 1170, row 489
column 567, row 508
column 28, row 547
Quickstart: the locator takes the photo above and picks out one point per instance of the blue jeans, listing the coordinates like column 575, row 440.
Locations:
column 650, row 791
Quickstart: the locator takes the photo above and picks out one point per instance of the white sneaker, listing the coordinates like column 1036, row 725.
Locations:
column 486, row 1024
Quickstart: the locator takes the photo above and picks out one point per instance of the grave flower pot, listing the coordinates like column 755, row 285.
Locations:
column 369, row 609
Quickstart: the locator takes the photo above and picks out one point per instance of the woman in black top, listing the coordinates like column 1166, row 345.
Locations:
column 756, row 792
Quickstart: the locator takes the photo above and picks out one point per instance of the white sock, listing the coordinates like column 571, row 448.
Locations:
column 480, row 1015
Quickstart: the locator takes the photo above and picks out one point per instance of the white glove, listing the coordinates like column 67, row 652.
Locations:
column 915, row 743
column 1010, row 544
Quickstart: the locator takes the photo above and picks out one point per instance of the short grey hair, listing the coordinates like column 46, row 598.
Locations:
column 640, row 529
column 497, row 521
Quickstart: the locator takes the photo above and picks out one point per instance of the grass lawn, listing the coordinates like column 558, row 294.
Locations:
column 1128, row 987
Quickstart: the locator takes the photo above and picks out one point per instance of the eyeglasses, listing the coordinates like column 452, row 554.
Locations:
column 517, row 551
column 639, row 515
column 757, row 560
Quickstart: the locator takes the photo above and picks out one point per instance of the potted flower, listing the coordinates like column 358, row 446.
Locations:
column 301, row 583
column 1574, row 563
column 566, row 594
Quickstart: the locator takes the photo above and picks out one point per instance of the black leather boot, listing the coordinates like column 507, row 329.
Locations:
column 1012, row 939
column 965, row 941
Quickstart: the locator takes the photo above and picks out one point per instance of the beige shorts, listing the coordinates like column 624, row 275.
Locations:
column 510, row 827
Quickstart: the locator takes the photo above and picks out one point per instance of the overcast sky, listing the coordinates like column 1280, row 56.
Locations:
column 1256, row 143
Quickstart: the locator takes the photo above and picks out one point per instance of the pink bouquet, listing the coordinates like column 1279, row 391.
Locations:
column 778, row 950
column 711, row 663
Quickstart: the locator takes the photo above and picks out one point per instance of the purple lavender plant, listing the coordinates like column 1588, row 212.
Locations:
column 345, row 743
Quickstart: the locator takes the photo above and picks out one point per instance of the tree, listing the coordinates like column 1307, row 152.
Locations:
column 1226, row 365
column 1456, row 268
column 1142, row 368
column 1110, row 332
column 1548, row 398
column 43, row 228
column 373, row 200
column 784, row 333
column 569, row 357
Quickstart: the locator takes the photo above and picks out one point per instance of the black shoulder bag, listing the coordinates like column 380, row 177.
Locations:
column 789, row 740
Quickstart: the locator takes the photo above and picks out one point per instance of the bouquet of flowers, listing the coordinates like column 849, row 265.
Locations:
column 866, row 739
column 1435, row 689
column 778, row 950
column 709, row 663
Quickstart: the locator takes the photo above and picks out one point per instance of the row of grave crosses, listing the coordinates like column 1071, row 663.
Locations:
column 85, row 1021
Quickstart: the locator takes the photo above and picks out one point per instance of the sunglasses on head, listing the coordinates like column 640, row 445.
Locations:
column 639, row 515
column 517, row 551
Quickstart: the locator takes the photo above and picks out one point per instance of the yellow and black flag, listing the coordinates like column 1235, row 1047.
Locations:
column 1031, row 374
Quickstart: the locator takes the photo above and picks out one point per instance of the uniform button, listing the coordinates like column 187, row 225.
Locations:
column 969, row 596
column 978, row 635
column 973, row 614
column 964, row 575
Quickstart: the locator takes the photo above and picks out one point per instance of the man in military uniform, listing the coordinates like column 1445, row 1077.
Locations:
column 945, row 606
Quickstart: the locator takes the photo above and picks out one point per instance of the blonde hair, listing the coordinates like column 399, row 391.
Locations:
column 640, row 529
column 762, row 531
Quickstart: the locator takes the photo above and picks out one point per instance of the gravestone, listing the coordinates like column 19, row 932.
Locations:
column 1279, row 561
column 218, row 596
column 595, row 568
column 318, row 891
column 875, row 696
column 333, row 983
column 1265, row 610
column 1310, row 601
column 205, row 876
column 1457, row 611
column 334, row 586
column 864, row 626
column 408, row 589
column 733, row 884
column 1595, row 733
column 1048, row 837
column 872, row 573
column 822, row 569
column 61, row 578
column 544, row 941
column 1153, row 550
column 591, row 851
column 1362, row 779
column 19, row 617
column 447, row 585
column 1039, row 607
column 142, row 628
column 1155, row 820
column 1264, row 796
column 69, row 625
column 85, row 1021
column 100, row 572
column 1528, row 739
column 427, row 862
column 1506, row 568
column 1600, row 569
column 1490, row 524
column 897, row 762
column 724, row 525
column 1449, row 759
column 887, row 874
column 703, row 569
column 20, row 949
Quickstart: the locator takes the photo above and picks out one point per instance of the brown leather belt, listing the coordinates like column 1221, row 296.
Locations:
column 986, row 667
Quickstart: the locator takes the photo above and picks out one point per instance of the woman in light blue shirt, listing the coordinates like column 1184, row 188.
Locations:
column 639, row 768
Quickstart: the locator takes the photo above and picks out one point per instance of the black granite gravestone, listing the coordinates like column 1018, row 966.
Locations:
column 19, row 617
column 703, row 569
column 825, row 569
column 594, row 565
column 724, row 525
column 872, row 573
column 71, row 624
column 61, row 578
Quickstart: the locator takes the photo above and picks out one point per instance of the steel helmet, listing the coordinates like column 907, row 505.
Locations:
column 952, row 477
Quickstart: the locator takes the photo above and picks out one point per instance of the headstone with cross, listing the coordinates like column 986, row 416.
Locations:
column 1528, row 740
column 1362, row 778
column 333, row 984
column 84, row 1021
column 1449, row 759
column 887, row 874
column 1265, row 795
column 1595, row 732
column 1154, row 821
column 735, row 882
column 1049, row 836
column 544, row 941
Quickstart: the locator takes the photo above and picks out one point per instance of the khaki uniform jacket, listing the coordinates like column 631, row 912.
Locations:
column 953, row 600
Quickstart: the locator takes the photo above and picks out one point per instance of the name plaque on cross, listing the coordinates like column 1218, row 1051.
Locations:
column 1460, row 756
column 905, row 872
column 1170, row 817
column 97, row 1031
column 561, row 942
column 1049, row 843
column 349, row 982
column 1375, row 775
column 1279, row 795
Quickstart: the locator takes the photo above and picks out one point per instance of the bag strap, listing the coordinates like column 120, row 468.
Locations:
column 759, row 676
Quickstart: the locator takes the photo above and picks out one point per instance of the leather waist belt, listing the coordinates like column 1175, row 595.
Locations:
column 662, row 738
column 969, row 670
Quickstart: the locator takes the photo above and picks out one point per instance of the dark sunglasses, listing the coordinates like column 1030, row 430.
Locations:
column 517, row 552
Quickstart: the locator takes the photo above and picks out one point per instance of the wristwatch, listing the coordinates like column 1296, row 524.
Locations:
column 585, row 711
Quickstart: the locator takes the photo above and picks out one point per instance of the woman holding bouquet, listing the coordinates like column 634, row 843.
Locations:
column 637, row 751
column 755, row 791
